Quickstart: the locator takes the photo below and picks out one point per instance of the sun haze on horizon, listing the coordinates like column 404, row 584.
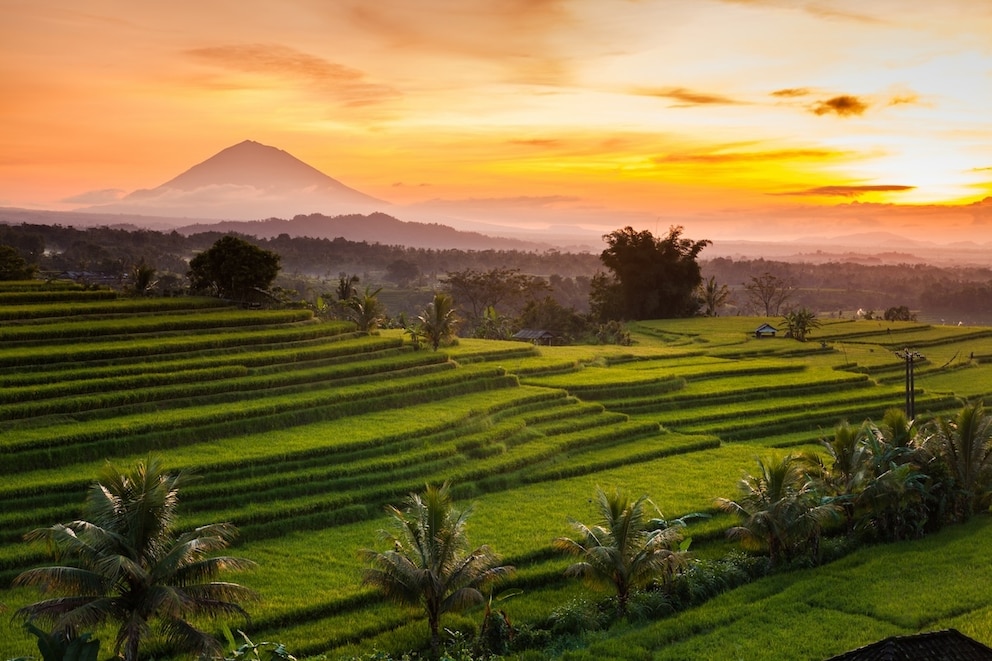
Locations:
column 734, row 118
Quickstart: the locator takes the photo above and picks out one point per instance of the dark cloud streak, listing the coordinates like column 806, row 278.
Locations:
column 848, row 191
column 844, row 105
column 689, row 97
column 748, row 157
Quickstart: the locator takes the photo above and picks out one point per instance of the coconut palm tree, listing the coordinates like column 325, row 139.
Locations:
column 780, row 509
column 624, row 549
column 844, row 474
column 366, row 310
column 428, row 563
column 713, row 296
column 800, row 323
column 126, row 563
column 438, row 322
column 965, row 443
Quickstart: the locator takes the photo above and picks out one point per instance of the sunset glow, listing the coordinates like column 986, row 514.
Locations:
column 714, row 114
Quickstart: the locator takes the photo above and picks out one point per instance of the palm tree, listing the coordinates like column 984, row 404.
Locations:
column 780, row 510
column 126, row 563
column 902, row 489
column 965, row 443
column 623, row 550
column 713, row 296
column 438, row 322
column 366, row 310
column 845, row 474
column 800, row 323
column 428, row 564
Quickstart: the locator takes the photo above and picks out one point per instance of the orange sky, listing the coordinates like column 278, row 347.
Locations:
column 732, row 117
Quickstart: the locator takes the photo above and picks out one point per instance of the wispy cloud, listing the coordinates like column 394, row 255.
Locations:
column 715, row 157
column 844, row 105
column 282, row 63
column 102, row 196
column 688, row 97
column 545, row 143
column 848, row 191
column 791, row 92
column 514, row 35
column 904, row 99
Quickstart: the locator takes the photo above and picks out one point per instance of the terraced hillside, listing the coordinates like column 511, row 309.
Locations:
column 300, row 431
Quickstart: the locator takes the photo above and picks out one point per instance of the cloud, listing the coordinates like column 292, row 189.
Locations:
column 904, row 99
column 101, row 196
column 844, row 105
column 518, row 36
column 689, row 97
column 284, row 63
column 791, row 92
column 519, row 201
column 538, row 142
column 747, row 157
column 849, row 191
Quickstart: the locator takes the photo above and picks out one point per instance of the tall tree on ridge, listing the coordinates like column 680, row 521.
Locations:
column 653, row 278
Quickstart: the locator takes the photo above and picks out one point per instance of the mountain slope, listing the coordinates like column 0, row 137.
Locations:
column 372, row 228
column 246, row 181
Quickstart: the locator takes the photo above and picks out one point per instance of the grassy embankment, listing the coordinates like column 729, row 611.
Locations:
column 300, row 431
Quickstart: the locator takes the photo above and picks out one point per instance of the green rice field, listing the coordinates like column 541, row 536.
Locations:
column 301, row 431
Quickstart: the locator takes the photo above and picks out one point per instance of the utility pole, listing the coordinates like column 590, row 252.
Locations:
column 910, row 357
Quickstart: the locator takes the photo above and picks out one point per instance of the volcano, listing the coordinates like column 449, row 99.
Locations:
column 246, row 181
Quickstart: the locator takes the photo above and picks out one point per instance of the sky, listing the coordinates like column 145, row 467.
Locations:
column 736, row 119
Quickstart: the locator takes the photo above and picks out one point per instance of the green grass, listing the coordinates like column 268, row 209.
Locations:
column 302, row 432
column 899, row 589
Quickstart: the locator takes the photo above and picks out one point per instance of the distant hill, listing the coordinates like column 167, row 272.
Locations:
column 371, row 228
column 246, row 181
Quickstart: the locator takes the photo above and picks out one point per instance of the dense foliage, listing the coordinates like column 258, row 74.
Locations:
column 126, row 563
column 233, row 268
column 429, row 562
column 652, row 278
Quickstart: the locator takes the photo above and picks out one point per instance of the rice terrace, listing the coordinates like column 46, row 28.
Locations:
column 301, row 431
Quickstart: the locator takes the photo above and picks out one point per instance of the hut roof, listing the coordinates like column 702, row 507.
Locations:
column 946, row 645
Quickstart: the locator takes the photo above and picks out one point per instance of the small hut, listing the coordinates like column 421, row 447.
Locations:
column 765, row 330
column 536, row 336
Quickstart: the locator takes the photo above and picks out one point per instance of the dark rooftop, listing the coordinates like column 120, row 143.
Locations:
column 947, row 645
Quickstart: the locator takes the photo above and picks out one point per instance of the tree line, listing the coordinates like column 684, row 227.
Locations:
column 636, row 276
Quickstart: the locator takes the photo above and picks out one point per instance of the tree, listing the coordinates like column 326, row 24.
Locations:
column 654, row 278
column 800, row 322
column 346, row 287
column 366, row 310
column 438, row 323
column 965, row 443
column 493, row 326
column 232, row 268
column 780, row 510
column 401, row 272
column 13, row 266
column 125, row 562
column 500, row 288
column 551, row 315
column 622, row 550
column 713, row 297
column 142, row 278
column 900, row 313
column 768, row 292
column 428, row 563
